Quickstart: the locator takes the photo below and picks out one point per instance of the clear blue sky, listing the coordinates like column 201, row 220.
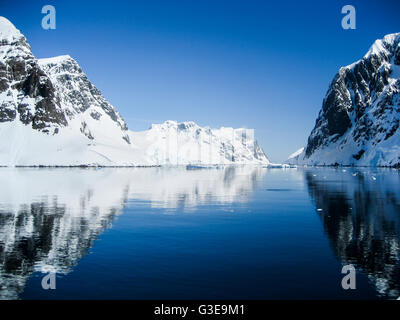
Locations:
column 258, row 64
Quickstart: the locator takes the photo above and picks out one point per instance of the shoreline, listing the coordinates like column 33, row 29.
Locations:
column 201, row 166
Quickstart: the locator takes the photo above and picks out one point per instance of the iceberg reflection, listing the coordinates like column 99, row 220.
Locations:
column 49, row 218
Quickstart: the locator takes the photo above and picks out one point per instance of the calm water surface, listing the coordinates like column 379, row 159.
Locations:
column 166, row 233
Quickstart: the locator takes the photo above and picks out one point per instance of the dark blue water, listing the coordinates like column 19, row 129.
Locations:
column 234, row 233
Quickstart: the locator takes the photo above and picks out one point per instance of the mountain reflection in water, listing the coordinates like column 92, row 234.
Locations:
column 259, row 224
column 360, row 212
column 49, row 218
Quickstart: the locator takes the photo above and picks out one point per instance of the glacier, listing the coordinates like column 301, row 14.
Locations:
column 52, row 115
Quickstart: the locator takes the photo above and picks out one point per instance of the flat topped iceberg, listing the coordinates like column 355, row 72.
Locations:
column 178, row 143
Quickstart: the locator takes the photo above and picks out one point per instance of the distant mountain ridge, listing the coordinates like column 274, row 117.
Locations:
column 52, row 115
column 186, row 142
column 359, row 120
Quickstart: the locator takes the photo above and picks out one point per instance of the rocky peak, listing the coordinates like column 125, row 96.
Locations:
column 16, row 58
column 8, row 30
column 77, row 94
column 361, row 107
column 386, row 48
column 26, row 93
column 54, row 96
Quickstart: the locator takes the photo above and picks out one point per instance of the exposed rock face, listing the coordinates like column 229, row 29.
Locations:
column 52, row 115
column 48, row 94
column 26, row 91
column 360, row 115
column 78, row 95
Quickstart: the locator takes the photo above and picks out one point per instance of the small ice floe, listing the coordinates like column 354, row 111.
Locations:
column 197, row 167
column 277, row 165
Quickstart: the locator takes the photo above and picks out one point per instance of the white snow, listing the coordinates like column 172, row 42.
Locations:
column 100, row 140
column 8, row 30
column 54, row 60
column 381, row 110
column 296, row 153
column 177, row 143
column 379, row 46
column 22, row 146
column 294, row 158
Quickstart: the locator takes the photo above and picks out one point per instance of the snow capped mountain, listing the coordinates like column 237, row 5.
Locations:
column 52, row 115
column 26, row 92
column 187, row 143
column 295, row 156
column 82, row 101
column 359, row 120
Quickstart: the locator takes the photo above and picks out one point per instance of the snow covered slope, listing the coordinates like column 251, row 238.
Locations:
column 83, row 102
column 295, row 156
column 359, row 120
column 52, row 115
column 187, row 143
